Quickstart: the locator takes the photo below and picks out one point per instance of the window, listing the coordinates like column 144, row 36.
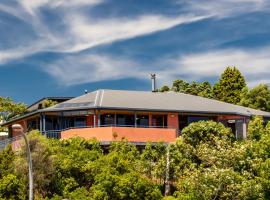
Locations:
column 107, row 119
column 159, row 120
column 125, row 120
column 142, row 120
column 80, row 121
column 183, row 122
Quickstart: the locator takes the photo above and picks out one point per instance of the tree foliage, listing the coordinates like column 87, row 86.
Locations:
column 230, row 86
column 9, row 109
column 206, row 162
column 48, row 103
column 203, row 89
column 257, row 98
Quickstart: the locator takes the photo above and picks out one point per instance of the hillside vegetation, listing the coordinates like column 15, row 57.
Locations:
column 206, row 162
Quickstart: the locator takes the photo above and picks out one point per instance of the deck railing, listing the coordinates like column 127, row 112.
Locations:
column 57, row 133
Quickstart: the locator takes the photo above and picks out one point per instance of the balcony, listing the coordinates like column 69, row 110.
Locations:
column 114, row 133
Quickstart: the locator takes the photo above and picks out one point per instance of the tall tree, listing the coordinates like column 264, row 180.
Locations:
column 230, row 86
column 257, row 98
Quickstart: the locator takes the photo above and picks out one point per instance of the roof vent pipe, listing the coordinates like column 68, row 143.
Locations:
column 85, row 91
column 153, row 78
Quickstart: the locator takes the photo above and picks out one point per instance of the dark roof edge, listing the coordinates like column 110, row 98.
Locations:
column 20, row 117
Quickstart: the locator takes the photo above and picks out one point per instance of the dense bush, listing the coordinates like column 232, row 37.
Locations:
column 205, row 163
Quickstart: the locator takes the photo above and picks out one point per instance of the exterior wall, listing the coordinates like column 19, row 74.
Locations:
column 150, row 120
column 119, row 133
column 173, row 120
column 90, row 120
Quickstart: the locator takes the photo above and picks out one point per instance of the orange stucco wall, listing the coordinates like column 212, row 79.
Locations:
column 173, row 120
column 118, row 133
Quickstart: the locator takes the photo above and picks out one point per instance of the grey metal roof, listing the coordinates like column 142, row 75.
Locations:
column 152, row 101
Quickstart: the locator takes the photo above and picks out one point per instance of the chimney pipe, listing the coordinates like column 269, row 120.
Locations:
column 153, row 78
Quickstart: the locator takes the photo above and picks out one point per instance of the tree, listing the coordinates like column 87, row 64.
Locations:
column 180, row 86
column 230, row 86
column 9, row 109
column 203, row 89
column 205, row 131
column 164, row 88
column 48, row 103
column 257, row 98
column 42, row 159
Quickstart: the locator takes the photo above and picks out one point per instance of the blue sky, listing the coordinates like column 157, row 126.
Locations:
column 61, row 47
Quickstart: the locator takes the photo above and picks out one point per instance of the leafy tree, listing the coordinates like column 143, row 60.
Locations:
column 42, row 158
column 9, row 109
column 12, row 188
column 164, row 88
column 180, row 86
column 257, row 98
column 48, row 103
column 230, row 86
column 256, row 128
column 203, row 89
column 205, row 131
column 153, row 161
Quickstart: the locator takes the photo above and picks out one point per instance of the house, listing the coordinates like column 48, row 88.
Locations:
column 138, row 116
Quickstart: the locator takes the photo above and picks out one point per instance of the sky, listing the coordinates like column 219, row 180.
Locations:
column 62, row 47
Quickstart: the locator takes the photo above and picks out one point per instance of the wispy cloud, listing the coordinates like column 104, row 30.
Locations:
column 225, row 8
column 78, row 31
column 254, row 64
column 92, row 68
column 87, row 33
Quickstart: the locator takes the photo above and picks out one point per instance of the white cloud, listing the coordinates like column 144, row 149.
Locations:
column 92, row 68
column 89, row 68
column 88, row 33
column 254, row 64
column 82, row 32
column 225, row 8
column 79, row 32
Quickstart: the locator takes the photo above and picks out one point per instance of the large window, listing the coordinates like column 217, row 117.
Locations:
column 142, row 120
column 107, row 119
column 185, row 120
column 51, row 123
column 80, row 121
column 125, row 120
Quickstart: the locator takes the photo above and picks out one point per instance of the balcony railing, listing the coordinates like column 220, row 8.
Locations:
column 57, row 133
